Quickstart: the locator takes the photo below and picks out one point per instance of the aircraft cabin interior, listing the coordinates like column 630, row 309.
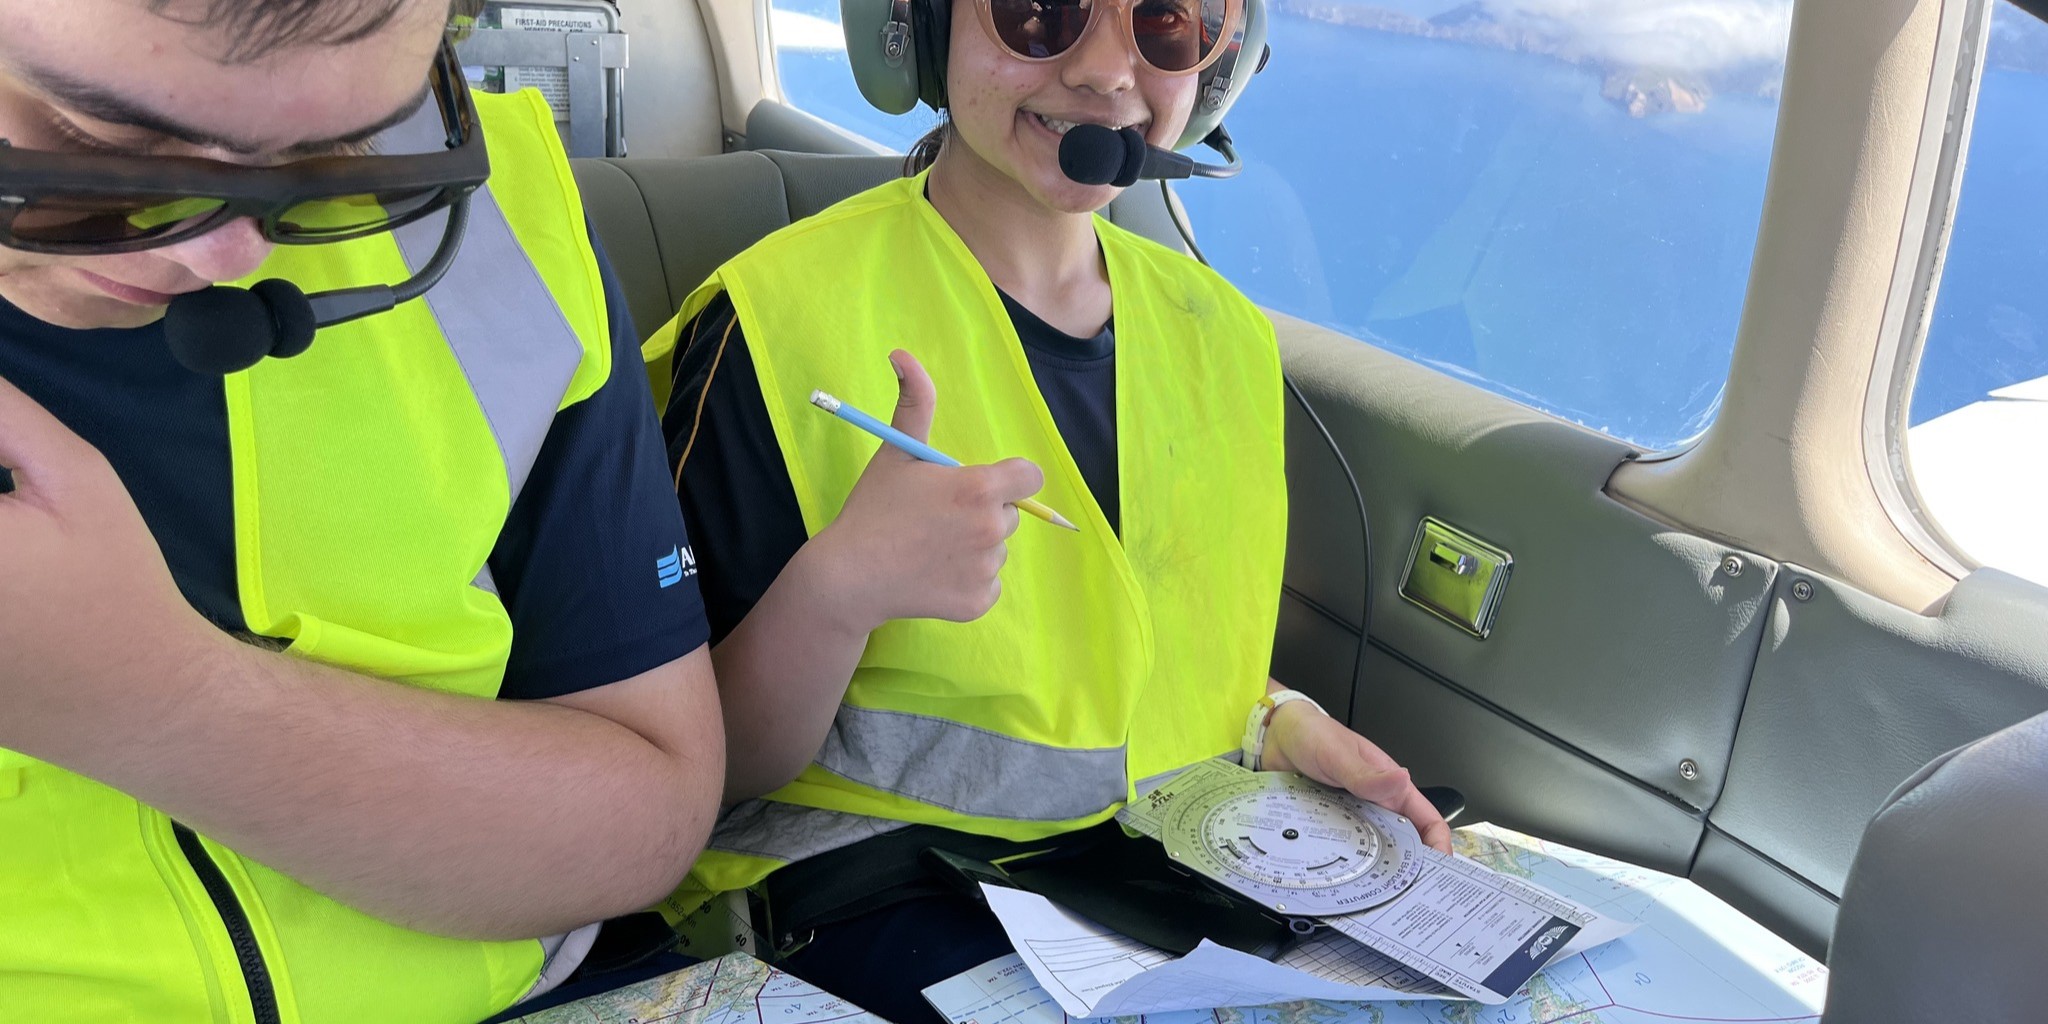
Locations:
column 1667, row 401
column 1730, row 632
column 1739, row 583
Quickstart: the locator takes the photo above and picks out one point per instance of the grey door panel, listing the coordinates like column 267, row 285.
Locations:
column 1511, row 775
column 1778, row 899
column 1624, row 647
column 1619, row 636
column 1852, row 695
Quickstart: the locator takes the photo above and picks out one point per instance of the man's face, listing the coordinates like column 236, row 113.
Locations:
column 85, row 76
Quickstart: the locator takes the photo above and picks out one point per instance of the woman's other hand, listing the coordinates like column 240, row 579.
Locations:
column 1304, row 739
column 917, row 540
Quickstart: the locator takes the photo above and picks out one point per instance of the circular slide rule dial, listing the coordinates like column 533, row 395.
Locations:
column 1293, row 845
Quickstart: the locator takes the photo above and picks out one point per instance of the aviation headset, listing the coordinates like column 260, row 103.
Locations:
column 898, row 52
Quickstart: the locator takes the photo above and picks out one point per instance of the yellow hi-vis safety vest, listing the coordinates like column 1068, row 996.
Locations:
column 1108, row 662
column 372, row 476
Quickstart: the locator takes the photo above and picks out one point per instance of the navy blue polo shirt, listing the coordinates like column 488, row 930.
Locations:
column 576, row 563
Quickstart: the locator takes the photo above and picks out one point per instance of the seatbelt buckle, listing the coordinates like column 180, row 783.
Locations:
column 778, row 944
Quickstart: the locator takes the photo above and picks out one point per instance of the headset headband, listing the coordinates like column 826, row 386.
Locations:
column 898, row 52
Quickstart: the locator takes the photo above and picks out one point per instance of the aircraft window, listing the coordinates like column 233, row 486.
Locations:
column 810, row 58
column 1979, row 415
column 1555, row 199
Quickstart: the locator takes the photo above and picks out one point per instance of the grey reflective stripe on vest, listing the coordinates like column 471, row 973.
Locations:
column 787, row 832
column 790, row 833
column 510, row 338
column 968, row 770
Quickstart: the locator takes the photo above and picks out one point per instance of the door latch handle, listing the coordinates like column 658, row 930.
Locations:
column 1456, row 561
column 1456, row 576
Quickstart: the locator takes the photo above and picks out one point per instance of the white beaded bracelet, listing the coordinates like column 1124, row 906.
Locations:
column 1253, row 746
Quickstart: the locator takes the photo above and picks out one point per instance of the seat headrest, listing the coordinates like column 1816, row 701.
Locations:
column 667, row 224
column 1944, row 916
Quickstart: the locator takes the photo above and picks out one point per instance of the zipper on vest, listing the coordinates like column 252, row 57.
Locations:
column 255, row 973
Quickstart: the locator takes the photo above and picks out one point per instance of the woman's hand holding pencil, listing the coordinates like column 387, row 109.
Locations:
column 918, row 538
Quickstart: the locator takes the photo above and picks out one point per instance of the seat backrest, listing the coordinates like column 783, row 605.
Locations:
column 1944, row 916
column 667, row 224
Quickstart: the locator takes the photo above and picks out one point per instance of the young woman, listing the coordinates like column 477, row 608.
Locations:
column 902, row 665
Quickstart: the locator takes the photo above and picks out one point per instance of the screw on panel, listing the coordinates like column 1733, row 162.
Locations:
column 1689, row 770
column 1802, row 591
column 1732, row 565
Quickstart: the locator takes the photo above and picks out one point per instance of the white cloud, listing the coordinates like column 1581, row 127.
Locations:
column 794, row 31
column 1679, row 35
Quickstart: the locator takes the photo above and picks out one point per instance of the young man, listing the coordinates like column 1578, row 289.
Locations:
column 248, row 767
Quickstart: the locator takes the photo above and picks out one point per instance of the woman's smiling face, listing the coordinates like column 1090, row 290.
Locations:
column 1009, row 113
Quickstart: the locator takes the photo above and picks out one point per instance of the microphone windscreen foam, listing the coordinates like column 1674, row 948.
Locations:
column 1094, row 155
column 292, row 313
column 220, row 330
column 1134, row 157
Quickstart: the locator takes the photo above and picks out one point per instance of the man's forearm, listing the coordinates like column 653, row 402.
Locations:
column 781, row 676
column 452, row 815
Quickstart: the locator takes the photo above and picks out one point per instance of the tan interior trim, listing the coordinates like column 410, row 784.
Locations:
column 670, row 89
column 1783, row 470
column 740, row 27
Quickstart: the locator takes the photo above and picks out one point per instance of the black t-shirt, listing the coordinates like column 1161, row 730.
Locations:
column 736, row 492
column 574, row 564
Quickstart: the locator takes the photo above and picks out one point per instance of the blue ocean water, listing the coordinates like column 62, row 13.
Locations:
column 1488, row 212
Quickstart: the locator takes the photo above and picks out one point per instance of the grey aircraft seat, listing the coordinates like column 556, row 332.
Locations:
column 667, row 224
column 1945, row 917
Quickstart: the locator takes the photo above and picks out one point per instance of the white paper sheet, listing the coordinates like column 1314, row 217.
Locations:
column 1476, row 930
column 1094, row 972
column 1689, row 957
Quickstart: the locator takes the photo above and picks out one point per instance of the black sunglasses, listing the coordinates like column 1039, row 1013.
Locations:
column 72, row 204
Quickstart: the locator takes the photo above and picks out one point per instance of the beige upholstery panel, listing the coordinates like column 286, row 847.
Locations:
column 1783, row 469
column 672, row 91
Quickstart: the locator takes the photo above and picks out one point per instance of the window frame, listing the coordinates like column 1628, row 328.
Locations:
column 765, row 54
column 1916, row 289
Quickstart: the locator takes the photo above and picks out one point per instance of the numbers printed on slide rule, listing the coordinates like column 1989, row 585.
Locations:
column 1292, row 845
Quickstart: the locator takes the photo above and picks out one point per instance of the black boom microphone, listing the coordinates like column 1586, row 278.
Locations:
column 223, row 330
column 1095, row 155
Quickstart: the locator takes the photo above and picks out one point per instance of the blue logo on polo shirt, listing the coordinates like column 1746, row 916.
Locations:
column 670, row 570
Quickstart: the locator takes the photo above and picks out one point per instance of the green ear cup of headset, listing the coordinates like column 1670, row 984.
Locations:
column 898, row 52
